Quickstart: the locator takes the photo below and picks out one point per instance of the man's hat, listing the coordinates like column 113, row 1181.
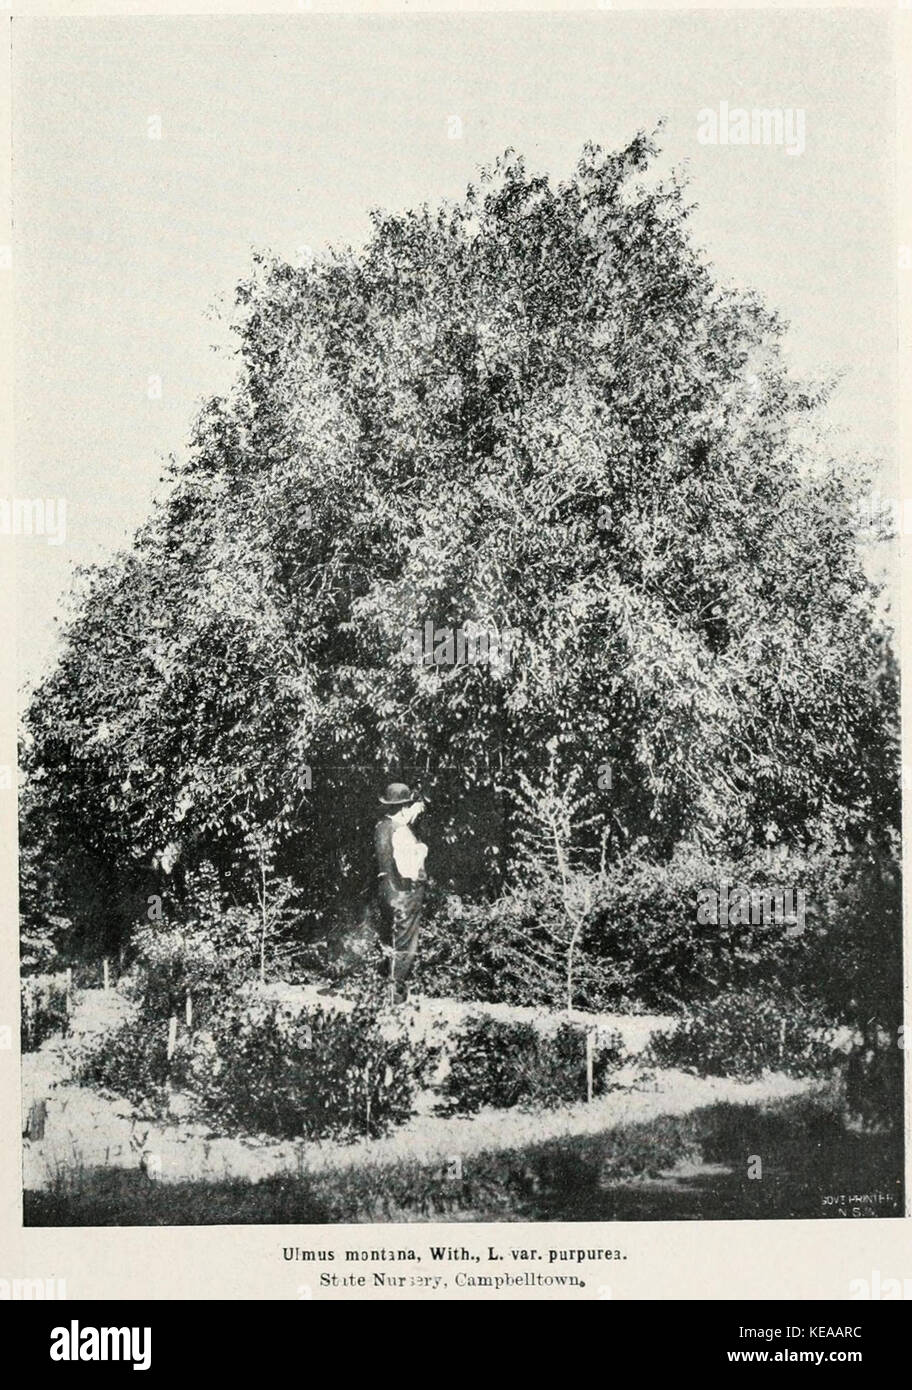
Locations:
column 398, row 794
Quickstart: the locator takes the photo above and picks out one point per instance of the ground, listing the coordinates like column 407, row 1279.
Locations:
column 483, row 1156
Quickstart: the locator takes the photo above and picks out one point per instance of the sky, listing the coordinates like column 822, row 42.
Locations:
column 283, row 132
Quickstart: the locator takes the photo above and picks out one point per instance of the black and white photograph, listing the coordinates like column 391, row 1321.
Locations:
column 457, row 518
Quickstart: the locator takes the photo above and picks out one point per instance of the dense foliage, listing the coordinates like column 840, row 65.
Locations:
column 502, row 1063
column 43, row 1009
column 747, row 1033
column 536, row 410
column 643, row 948
column 131, row 1060
column 267, row 1067
column 533, row 409
column 264, row 1066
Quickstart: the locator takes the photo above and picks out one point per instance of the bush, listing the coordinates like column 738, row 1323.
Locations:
column 511, row 952
column 647, row 942
column 744, row 1033
column 132, row 1061
column 204, row 961
column 263, row 1066
column 852, row 959
column 268, row 1068
column 465, row 953
column 502, row 1064
column 643, row 948
column 216, row 947
column 43, row 1009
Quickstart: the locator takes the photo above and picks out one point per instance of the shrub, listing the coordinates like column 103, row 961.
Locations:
column 643, row 949
column 43, row 1009
column 263, row 1066
column 874, row 1078
column 266, row 1067
column 466, row 953
column 744, row 1033
column 647, row 942
column 171, row 962
column 217, row 946
column 852, row 958
column 132, row 1061
column 502, row 1064
column 511, row 951
column 209, row 958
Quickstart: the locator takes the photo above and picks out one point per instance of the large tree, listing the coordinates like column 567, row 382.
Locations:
column 535, row 410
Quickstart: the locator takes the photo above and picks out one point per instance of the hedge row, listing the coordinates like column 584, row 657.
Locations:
column 261, row 1066
column 43, row 1009
column 501, row 1063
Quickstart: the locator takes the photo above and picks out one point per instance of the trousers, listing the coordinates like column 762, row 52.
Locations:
column 400, row 922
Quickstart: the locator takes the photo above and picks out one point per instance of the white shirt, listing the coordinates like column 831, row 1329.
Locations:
column 408, row 852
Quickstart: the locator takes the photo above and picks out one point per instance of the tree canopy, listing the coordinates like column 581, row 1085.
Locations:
column 534, row 409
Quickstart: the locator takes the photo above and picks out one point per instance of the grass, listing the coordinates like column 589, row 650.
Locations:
column 687, row 1167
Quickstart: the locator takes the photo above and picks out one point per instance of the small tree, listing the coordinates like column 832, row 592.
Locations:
column 551, row 823
column 275, row 896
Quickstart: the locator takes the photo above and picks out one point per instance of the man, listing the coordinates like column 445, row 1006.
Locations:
column 402, row 880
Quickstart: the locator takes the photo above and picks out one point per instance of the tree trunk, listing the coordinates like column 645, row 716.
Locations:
column 263, row 920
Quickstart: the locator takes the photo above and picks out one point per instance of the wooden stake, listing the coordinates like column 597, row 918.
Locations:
column 590, row 1040
column 37, row 1119
column 172, row 1035
column 69, row 990
column 107, row 975
column 189, row 1012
